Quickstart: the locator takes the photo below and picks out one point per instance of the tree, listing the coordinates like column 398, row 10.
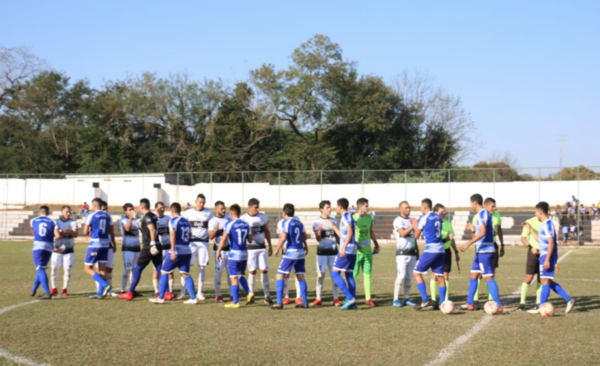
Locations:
column 17, row 64
column 572, row 174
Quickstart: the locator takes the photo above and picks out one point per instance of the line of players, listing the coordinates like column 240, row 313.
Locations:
column 244, row 241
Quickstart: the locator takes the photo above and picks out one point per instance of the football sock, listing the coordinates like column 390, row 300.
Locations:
column 101, row 283
column 164, row 285
column 109, row 278
column 442, row 294
column 367, row 280
column 135, row 279
column 124, row 279
column 334, row 288
column 490, row 298
column 351, row 283
column 235, row 293
column 43, row 278
column 320, row 281
column 494, row 291
column 228, row 282
column 397, row 288
column 559, row 290
column 447, row 291
column 286, row 287
column 251, row 282
column 201, row 277
column 476, row 296
column 472, row 291
column 545, row 294
column 53, row 276
column 155, row 282
column 183, row 285
column 524, row 291
column 170, row 285
column 189, row 284
column 538, row 293
column 244, row 284
column 337, row 278
column 297, row 285
column 36, row 282
column 303, row 292
column 433, row 286
column 218, row 283
column 422, row 290
column 279, row 285
column 407, row 285
column 265, row 282
column 66, row 277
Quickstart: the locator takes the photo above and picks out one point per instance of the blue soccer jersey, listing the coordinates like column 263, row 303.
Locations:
column 237, row 231
column 294, row 229
column 43, row 233
column 546, row 232
column 182, row 228
column 431, row 224
column 345, row 221
column 99, row 222
column 485, row 244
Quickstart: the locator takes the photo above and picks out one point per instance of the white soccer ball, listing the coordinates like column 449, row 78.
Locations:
column 491, row 308
column 447, row 307
column 546, row 309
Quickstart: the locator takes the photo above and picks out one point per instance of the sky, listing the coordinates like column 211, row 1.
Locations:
column 527, row 71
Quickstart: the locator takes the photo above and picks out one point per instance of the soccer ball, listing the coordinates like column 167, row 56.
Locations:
column 491, row 308
column 546, row 309
column 447, row 307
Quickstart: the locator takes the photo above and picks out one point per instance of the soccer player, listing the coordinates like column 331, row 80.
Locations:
column 216, row 225
column 294, row 234
column 198, row 217
column 151, row 248
column 165, row 241
column 43, row 244
column 131, row 243
column 110, row 258
column 532, row 267
column 327, row 249
column 448, row 237
column 345, row 260
column 407, row 254
column 257, row 252
column 65, row 232
column 177, row 256
column 237, row 233
column 100, row 228
column 434, row 257
column 364, row 234
column 484, row 253
column 286, row 287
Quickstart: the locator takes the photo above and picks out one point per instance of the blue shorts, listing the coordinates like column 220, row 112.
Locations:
column 182, row 262
column 41, row 258
column 287, row 264
column 483, row 263
column 236, row 268
column 435, row 261
column 548, row 273
column 94, row 255
column 345, row 264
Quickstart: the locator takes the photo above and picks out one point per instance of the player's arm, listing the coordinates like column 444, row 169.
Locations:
column 213, row 233
column 349, row 235
column 86, row 229
column 501, row 237
column 111, row 232
column 73, row 231
column 57, row 233
column 404, row 232
column 221, row 244
column 127, row 226
column 282, row 239
column 318, row 232
column 373, row 237
column 550, row 251
column 268, row 238
column 475, row 238
column 304, row 243
column 533, row 232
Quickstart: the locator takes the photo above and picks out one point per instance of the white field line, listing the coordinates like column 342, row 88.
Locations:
column 449, row 350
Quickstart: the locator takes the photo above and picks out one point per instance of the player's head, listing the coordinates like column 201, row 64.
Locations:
column 96, row 203
column 235, row 211
column 288, row 210
column 104, row 206
column 440, row 210
column 426, row 205
column 144, row 204
column 476, row 201
column 325, row 207
column 160, row 209
column 128, row 207
column 200, row 202
column 253, row 206
column 65, row 211
column 175, row 209
column 342, row 205
column 44, row 211
column 362, row 206
column 404, row 209
column 541, row 211
column 220, row 209
column 490, row 204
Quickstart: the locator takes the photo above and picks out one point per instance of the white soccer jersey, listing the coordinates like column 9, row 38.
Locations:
column 67, row 242
column 257, row 225
column 328, row 243
column 164, row 236
column 405, row 245
column 199, row 221
column 212, row 225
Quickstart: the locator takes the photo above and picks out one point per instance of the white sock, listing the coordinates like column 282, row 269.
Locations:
column 320, row 281
column 218, row 283
column 155, row 284
column 229, row 283
column 406, row 288
column 251, row 282
column 334, row 288
column 53, row 276
column 265, row 282
column 66, row 277
column 109, row 278
column 182, row 286
column 298, row 292
column 124, row 279
column 201, row 276
column 170, row 285
column 397, row 287
column 97, row 286
column 286, row 287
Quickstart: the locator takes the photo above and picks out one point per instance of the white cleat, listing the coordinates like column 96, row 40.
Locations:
column 112, row 294
column 180, row 297
column 200, row 297
column 191, row 302
column 535, row 310
column 156, row 300
column 570, row 305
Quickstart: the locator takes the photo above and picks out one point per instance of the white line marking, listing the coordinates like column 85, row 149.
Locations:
column 449, row 350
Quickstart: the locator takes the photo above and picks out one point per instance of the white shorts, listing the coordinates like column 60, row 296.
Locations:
column 221, row 265
column 130, row 260
column 110, row 259
column 406, row 265
column 67, row 261
column 199, row 252
column 258, row 259
column 324, row 262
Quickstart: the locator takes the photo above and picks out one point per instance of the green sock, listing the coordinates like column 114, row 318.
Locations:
column 367, row 278
column 433, row 285
column 447, row 290
column 476, row 297
column 538, row 293
column 524, row 291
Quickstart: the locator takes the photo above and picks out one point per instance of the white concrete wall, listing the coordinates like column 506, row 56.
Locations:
column 119, row 189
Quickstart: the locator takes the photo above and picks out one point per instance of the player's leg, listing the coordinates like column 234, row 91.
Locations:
column 110, row 263
column 473, row 284
column 334, row 287
column 156, row 277
column 438, row 270
column 263, row 266
column 193, row 260
column 487, row 272
column 447, row 270
column 300, row 271
column 400, row 268
column 40, row 260
column 203, row 261
column 218, row 275
column 68, row 264
column 163, row 285
column 345, row 265
column 321, row 268
column 252, row 269
column 531, row 269
column 283, row 271
column 425, row 262
column 367, row 270
column 411, row 263
column 55, row 264
column 144, row 259
column 92, row 256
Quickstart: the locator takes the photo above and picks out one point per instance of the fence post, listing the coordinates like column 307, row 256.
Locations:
column 449, row 193
column 242, row 188
column 362, row 187
column 212, row 199
column 177, row 191
column 577, row 208
column 321, row 185
column 405, row 185
column 40, row 189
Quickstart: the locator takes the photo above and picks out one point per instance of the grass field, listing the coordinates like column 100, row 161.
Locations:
column 79, row 331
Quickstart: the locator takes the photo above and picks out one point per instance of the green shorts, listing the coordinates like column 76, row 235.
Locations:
column 365, row 261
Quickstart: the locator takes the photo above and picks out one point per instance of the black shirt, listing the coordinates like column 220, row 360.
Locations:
column 148, row 219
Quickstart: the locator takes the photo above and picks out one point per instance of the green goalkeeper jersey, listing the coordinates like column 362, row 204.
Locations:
column 363, row 232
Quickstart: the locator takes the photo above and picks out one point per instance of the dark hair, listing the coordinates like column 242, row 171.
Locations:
column 343, row 203
column 158, row 203
column 437, row 207
column 361, row 202
column 323, row 203
column 488, row 200
column 201, row 196
column 97, row 201
column 145, row 203
column 543, row 206
column 104, row 204
column 235, row 208
column 65, row 206
column 219, row 203
column 404, row 202
column 127, row 206
column 253, row 201
column 427, row 202
column 289, row 209
column 176, row 207
column 45, row 210
column 477, row 198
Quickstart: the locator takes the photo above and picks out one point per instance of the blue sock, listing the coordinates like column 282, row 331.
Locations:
column 472, row 290
column 351, row 283
column 43, row 280
column 423, row 290
column 164, row 285
column 244, row 284
column 303, row 292
column 341, row 284
column 559, row 290
column 494, row 291
column 189, row 285
column 279, row 285
column 235, row 293
column 36, row 282
column 442, row 290
column 101, row 283
column 135, row 278
column 545, row 294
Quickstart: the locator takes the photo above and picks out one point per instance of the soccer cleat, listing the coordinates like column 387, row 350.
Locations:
column 354, row 307
column 277, row 306
column 500, row 310
column 200, row 296
column 468, row 307
column 64, row 292
column 301, row 306
column 33, row 293
column 434, row 305
column 137, row 294
column 45, row 297
column 408, row 303
column 298, row 301
column 348, row 304
column 219, row 299
column 250, row 298
column 126, row 296
column 231, row 305
column 157, row 300
column 96, row 297
column 535, row 310
column 317, row 302
column 371, row 303
column 268, row 300
column 521, row 307
column 180, row 297
column 112, row 294
column 570, row 305
column 191, row 302
column 423, row 305
column 336, row 302
column 286, row 301
column 156, row 295
column 476, row 305
column 397, row 303
column 106, row 290
column 168, row 296
column 54, row 291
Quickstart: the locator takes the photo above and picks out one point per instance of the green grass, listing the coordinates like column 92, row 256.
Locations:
column 79, row 331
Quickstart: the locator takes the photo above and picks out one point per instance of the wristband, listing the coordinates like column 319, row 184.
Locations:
column 152, row 243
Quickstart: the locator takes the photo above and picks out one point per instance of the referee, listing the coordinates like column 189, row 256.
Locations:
column 532, row 268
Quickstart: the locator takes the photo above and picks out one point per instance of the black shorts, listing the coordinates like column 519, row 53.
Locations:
column 146, row 257
column 496, row 256
column 448, row 261
column 533, row 263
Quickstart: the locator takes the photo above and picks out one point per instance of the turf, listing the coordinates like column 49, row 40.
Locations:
column 79, row 331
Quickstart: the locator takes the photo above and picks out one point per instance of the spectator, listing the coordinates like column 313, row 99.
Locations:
column 574, row 201
column 85, row 208
column 571, row 212
column 594, row 212
column 583, row 211
column 188, row 206
column 565, row 232
column 352, row 209
column 558, row 212
column 573, row 230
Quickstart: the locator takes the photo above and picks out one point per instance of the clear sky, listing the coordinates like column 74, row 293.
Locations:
column 528, row 71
